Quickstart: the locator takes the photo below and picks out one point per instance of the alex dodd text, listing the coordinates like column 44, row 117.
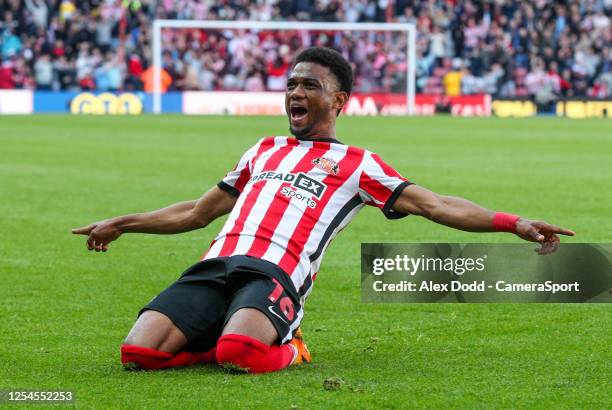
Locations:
column 475, row 286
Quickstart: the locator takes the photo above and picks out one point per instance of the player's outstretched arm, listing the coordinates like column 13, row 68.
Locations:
column 177, row 218
column 462, row 214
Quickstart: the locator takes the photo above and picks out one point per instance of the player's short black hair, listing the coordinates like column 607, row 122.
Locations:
column 331, row 59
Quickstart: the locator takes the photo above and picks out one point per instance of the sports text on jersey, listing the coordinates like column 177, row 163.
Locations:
column 291, row 192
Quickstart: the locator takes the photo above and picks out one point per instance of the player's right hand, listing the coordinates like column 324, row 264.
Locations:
column 542, row 232
column 99, row 235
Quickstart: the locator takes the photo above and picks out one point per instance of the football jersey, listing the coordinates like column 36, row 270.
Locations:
column 294, row 196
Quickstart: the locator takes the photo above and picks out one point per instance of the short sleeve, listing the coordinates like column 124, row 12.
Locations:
column 235, row 180
column 380, row 185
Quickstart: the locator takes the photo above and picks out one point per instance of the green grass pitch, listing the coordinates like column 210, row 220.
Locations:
column 65, row 310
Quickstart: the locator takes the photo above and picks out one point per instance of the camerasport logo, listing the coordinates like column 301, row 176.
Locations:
column 328, row 165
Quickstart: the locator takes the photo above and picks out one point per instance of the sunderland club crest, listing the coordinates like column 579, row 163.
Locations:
column 328, row 165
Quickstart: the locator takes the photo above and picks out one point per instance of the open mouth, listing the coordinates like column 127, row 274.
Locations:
column 298, row 113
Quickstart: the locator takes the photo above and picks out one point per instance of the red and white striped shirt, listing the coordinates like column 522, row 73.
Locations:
column 294, row 196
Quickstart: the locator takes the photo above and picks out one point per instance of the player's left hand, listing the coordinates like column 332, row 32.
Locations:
column 541, row 232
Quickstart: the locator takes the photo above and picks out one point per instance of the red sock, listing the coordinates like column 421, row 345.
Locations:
column 151, row 359
column 251, row 354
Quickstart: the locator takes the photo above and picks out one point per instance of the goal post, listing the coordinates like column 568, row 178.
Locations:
column 408, row 28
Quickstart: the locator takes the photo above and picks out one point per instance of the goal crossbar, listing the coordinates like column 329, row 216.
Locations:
column 408, row 28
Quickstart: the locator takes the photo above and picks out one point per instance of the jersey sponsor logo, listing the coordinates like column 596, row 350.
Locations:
column 309, row 185
column 328, row 165
column 304, row 189
column 279, row 176
column 301, row 181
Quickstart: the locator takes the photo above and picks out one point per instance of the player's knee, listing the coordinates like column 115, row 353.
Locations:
column 135, row 357
column 243, row 352
column 143, row 341
column 155, row 330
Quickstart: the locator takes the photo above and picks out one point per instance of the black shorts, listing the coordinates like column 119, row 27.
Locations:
column 207, row 294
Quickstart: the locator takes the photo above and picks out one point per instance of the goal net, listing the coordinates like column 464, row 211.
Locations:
column 246, row 63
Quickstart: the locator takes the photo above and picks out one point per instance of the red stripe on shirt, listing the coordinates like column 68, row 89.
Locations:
column 231, row 238
column 280, row 203
column 245, row 173
column 375, row 189
column 347, row 166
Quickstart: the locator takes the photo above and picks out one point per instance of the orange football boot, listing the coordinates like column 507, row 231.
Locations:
column 303, row 354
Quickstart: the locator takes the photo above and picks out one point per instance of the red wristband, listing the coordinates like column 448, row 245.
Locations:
column 503, row 222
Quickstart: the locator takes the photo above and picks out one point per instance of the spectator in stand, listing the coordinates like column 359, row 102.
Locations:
column 277, row 72
column 39, row 11
column 11, row 44
column 452, row 79
column 470, row 83
column 84, row 68
column 255, row 83
column 147, row 79
column 492, row 79
column 22, row 75
column 115, row 72
column 67, row 10
column 6, row 75
column 189, row 79
column 43, row 73
column 536, row 79
column 65, row 74
column 543, row 87
column 473, row 34
column 134, row 73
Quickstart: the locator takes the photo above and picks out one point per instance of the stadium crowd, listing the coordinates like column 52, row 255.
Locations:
column 507, row 48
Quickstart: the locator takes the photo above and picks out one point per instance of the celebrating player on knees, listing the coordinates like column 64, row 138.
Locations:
column 287, row 198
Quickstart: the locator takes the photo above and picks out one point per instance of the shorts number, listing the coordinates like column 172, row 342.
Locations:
column 285, row 303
